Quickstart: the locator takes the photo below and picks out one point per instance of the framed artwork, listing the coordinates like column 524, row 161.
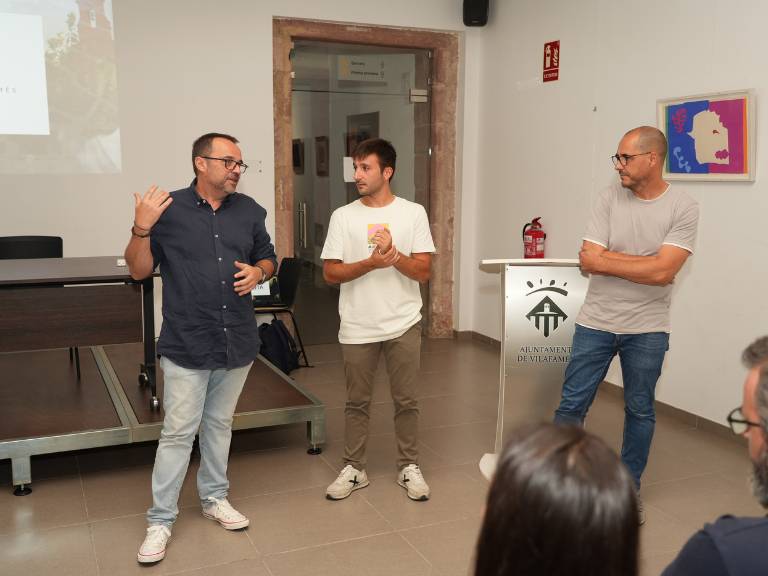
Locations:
column 360, row 127
column 321, row 155
column 298, row 156
column 710, row 136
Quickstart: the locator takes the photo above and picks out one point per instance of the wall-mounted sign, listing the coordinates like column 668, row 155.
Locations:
column 364, row 68
column 551, row 61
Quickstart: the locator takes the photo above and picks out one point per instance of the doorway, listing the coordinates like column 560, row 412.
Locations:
column 294, row 152
column 342, row 94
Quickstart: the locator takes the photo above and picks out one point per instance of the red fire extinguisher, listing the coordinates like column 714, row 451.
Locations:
column 533, row 239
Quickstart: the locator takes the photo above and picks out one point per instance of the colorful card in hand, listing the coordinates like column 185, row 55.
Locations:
column 372, row 229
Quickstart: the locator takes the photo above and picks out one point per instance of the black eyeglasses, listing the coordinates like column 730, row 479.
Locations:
column 230, row 163
column 738, row 423
column 623, row 159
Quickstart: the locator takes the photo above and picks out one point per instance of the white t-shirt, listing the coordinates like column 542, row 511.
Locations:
column 622, row 222
column 382, row 304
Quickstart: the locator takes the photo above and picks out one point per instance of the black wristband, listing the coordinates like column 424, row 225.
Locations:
column 263, row 274
column 133, row 232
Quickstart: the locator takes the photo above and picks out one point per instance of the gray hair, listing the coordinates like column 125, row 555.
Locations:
column 756, row 356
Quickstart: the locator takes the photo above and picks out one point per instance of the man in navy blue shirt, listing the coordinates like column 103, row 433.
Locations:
column 735, row 546
column 212, row 247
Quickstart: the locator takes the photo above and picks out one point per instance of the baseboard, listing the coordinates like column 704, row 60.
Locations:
column 685, row 418
column 471, row 335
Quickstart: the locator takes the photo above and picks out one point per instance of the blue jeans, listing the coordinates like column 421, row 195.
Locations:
column 193, row 399
column 641, row 357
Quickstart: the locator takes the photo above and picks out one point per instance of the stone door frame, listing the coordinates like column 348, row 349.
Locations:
column 442, row 189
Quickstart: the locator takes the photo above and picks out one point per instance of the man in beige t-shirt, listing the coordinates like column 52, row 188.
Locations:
column 640, row 234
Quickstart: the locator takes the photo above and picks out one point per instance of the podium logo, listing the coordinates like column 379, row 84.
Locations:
column 546, row 315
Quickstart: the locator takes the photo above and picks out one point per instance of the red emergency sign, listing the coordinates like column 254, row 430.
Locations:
column 551, row 61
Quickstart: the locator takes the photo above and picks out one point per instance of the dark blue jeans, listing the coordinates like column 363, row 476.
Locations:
column 641, row 357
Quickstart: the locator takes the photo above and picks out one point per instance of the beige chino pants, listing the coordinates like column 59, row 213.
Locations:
column 403, row 358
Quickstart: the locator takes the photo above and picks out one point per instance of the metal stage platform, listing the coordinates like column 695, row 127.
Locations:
column 44, row 408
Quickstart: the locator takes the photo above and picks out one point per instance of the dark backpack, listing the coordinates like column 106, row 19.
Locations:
column 278, row 346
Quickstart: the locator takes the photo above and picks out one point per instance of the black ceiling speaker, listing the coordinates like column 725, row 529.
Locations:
column 475, row 12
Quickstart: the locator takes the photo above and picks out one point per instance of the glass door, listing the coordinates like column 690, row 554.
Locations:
column 341, row 95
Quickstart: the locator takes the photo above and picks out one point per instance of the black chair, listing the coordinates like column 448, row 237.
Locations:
column 288, row 276
column 30, row 247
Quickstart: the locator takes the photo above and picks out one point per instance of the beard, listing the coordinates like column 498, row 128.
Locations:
column 760, row 479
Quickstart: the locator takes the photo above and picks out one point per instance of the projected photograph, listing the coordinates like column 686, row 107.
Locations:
column 710, row 136
column 58, row 88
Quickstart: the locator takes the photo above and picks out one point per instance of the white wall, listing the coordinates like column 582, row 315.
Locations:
column 543, row 151
column 186, row 67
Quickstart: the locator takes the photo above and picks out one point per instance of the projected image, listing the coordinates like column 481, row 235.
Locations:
column 58, row 88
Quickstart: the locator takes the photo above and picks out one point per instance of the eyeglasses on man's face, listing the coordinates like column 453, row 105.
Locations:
column 738, row 423
column 230, row 163
column 621, row 160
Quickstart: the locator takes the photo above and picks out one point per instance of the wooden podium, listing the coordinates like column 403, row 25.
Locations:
column 540, row 299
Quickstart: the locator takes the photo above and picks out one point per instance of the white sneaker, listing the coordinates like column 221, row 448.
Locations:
column 224, row 514
column 411, row 479
column 153, row 547
column 350, row 478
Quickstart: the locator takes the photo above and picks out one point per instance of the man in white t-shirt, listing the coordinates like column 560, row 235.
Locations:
column 640, row 234
column 379, row 248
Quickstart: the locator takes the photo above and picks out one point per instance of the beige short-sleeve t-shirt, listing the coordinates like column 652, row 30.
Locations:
column 622, row 222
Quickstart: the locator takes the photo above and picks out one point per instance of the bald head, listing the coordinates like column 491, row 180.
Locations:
column 650, row 139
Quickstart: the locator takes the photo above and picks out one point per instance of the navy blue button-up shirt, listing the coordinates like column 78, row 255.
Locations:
column 206, row 325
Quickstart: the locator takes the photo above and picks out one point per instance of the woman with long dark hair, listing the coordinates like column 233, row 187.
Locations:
column 561, row 503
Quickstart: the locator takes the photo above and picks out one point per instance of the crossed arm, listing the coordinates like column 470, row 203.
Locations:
column 659, row 269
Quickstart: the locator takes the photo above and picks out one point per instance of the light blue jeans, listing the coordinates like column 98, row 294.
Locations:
column 641, row 356
column 193, row 400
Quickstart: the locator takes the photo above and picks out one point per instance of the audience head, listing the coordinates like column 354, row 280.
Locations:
column 754, row 415
column 560, row 503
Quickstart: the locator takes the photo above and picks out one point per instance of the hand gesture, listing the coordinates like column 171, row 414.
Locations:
column 150, row 207
column 383, row 240
column 382, row 259
column 248, row 276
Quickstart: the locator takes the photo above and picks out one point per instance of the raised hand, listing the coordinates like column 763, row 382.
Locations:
column 150, row 207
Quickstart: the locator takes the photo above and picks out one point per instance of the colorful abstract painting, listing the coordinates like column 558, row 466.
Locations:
column 710, row 137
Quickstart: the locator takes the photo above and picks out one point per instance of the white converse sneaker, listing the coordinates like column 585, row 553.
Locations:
column 350, row 478
column 224, row 514
column 153, row 547
column 411, row 479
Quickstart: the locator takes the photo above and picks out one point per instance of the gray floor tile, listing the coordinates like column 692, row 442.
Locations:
column 449, row 547
column 195, row 543
column 62, row 551
column 381, row 555
column 53, row 503
column 87, row 509
column 450, row 499
column 293, row 520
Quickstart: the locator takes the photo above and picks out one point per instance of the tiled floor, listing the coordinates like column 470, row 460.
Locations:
column 86, row 515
